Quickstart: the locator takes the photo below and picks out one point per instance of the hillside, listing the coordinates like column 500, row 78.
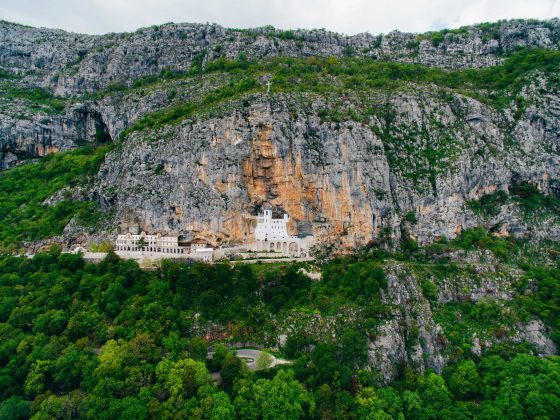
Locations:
column 426, row 167
column 456, row 329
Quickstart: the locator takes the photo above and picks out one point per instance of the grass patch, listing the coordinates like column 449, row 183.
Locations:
column 39, row 99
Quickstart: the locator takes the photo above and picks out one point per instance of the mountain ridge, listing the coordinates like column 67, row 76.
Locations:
column 67, row 63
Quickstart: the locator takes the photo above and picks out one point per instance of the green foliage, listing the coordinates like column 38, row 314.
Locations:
column 14, row 408
column 359, row 281
column 182, row 111
column 490, row 30
column 429, row 290
column 232, row 369
column 24, row 188
column 465, row 381
column 182, row 379
column 264, row 361
column 539, row 294
column 489, row 204
column 5, row 74
column 284, row 290
column 220, row 355
column 526, row 387
column 35, row 99
column 526, row 196
column 198, row 348
column 287, row 35
column 532, row 201
column 479, row 238
column 410, row 217
column 283, row 397
column 104, row 246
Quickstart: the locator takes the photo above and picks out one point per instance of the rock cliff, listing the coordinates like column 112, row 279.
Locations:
column 70, row 63
column 350, row 181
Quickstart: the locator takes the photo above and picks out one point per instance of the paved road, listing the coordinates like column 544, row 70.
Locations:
column 272, row 260
column 251, row 356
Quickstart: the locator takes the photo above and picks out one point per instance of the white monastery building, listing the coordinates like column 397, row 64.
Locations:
column 128, row 245
column 272, row 235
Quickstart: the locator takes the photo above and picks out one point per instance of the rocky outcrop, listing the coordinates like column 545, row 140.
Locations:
column 30, row 135
column 412, row 333
column 535, row 332
column 410, row 337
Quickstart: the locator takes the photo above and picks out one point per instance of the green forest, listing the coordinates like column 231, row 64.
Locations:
column 110, row 340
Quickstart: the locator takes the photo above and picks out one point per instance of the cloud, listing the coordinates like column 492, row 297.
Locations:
column 346, row 16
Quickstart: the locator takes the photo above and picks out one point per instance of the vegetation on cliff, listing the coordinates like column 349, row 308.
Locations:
column 23, row 190
column 498, row 85
column 35, row 99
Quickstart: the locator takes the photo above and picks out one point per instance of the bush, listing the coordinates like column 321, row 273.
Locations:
column 489, row 204
column 429, row 290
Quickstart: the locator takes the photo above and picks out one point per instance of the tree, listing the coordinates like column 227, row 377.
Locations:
column 174, row 344
column 264, row 360
column 436, row 397
column 220, row 354
column 14, row 408
column 217, row 406
column 54, row 407
column 283, row 397
column 142, row 349
column 464, row 382
column 198, row 349
column 325, row 400
column 231, row 369
column 412, row 404
column 69, row 368
column 128, row 408
column 112, row 359
column 141, row 244
column 37, row 379
column 325, row 367
column 183, row 378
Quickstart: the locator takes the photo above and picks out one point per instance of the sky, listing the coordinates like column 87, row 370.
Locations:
column 344, row 16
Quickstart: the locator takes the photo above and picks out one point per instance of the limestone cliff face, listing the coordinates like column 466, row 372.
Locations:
column 211, row 176
column 349, row 182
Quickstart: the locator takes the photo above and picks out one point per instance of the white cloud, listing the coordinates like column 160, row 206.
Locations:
column 347, row 16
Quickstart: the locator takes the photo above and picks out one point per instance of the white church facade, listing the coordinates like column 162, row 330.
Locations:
column 271, row 235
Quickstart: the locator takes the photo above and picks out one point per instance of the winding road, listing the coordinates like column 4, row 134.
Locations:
column 250, row 356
